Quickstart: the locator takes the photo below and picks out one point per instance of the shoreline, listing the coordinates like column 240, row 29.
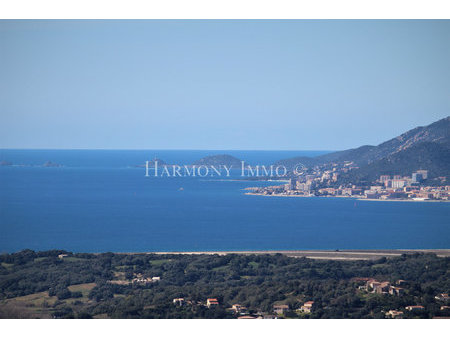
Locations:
column 400, row 200
column 350, row 197
column 311, row 254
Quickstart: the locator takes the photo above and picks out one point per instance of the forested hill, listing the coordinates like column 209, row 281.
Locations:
column 59, row 284
column 434, row 157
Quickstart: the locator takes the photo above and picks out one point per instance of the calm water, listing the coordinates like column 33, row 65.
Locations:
column 99, row 202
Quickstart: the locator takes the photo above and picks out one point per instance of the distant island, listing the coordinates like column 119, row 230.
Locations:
column 208, row 161
column 151, row 164
column 48, row 164
column 219, row 160
column 51, row 164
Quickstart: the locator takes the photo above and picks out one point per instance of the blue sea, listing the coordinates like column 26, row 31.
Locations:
column 98, row 201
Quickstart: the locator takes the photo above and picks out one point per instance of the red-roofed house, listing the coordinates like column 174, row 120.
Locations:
column 212, row 302
column 280, row 309
column 307, row 307
column 414, row 308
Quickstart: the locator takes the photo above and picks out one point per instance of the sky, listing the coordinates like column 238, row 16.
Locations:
column 225, row 84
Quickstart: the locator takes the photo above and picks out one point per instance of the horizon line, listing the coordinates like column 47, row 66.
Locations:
column 169, row 149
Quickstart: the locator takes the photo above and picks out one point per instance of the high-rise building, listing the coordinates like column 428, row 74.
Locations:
column 417, row 177
column 424, row 173
column 292, row 184
column 384, row 178
column 398, row 183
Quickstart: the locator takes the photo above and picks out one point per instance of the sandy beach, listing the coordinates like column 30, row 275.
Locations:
column 318, row 254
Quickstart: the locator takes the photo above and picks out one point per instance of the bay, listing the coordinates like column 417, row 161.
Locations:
column 99, row 201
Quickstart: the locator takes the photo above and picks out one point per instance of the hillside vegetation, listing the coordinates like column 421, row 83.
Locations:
column 41, row 285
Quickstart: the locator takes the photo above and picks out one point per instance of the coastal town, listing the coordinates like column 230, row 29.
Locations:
column 325, row 183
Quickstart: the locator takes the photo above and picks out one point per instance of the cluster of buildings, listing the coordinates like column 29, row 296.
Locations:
column 385, row 188
column 397, row 181
column 443, row 297
column 137, row 279
column 307, row 307
column 385, row 287
column 396, row 314
column 397, row 187
column 370, row 285
column 145, row 280
column 242, row 312
column 210, row 302
column 306, row 184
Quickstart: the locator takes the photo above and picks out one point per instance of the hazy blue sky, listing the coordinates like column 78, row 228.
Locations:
column 219, row 84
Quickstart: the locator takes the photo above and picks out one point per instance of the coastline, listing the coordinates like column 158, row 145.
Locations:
column 400, row 200
column 349, row 197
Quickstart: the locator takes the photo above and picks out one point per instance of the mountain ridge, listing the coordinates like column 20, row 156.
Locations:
column 399, row 152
